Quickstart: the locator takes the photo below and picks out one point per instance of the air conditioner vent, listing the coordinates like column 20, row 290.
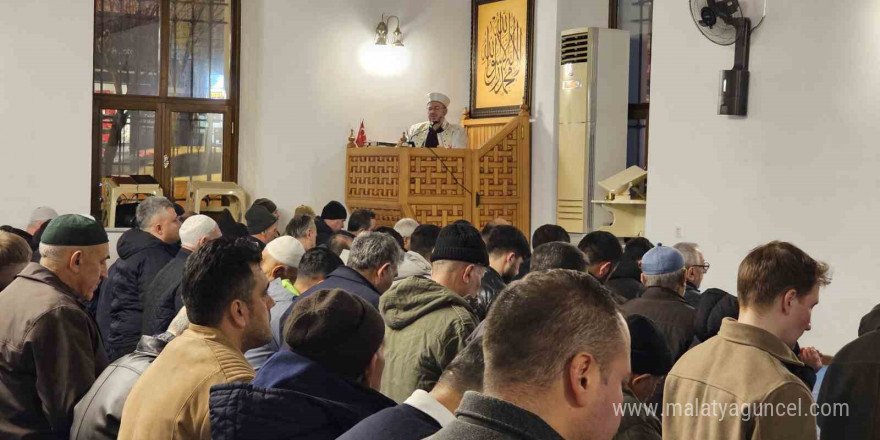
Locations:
column 575, row 48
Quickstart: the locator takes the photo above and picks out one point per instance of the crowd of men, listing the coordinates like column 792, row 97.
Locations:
column 207, row 328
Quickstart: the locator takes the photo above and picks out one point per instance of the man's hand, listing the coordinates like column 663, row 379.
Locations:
column 811, row 357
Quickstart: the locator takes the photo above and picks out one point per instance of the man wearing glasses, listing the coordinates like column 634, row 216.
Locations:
column 437, row 131
column 695, row 267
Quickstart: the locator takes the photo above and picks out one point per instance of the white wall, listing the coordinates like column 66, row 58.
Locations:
column 801, row 167
column 303, row 87
column 45, row 107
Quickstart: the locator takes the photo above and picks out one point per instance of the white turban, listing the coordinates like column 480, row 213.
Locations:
column 286, row 250
column 195, row 228
column 437, row 97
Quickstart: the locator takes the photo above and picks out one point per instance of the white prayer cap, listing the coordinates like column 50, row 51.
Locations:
column 437, row 97
column 195, row 228
column 41, row 214
column 406, row 226
column 287, row 250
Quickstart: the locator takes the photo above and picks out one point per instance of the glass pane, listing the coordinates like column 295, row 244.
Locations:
column 200, row 42
column 127, row 47
column 196, row 150
column 636, row 136
column 636, row 16
column 128, row 139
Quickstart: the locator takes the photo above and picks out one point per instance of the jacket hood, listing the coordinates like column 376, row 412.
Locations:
column 415, row 297
column 292, row 397
column 627, row 268
column 870, row 321
column 135, row 240
column 413, row 265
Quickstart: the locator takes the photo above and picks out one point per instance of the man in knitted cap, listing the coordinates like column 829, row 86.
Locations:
column 52, row 349
column 280, row 263
column 326, row 383
column 436, row 131
column 269, row 205
column 663, row 301
column 162, row 299
column 262, row 225
column 650, row 360
column 429, row 320
column 332, row 219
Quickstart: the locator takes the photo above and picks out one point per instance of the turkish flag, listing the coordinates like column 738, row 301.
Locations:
column 361, row 137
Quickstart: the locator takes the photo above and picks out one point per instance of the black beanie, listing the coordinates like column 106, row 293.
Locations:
column 649, row 353
column 266, row 203
column 338, row 330
column 259, row 219
column 334, row 211
column 460, row 242
column 714, row 306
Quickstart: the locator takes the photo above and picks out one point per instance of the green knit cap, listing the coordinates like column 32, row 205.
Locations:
column 74, row 230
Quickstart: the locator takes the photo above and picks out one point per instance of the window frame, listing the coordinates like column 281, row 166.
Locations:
column 164, row 105
column 638, row 111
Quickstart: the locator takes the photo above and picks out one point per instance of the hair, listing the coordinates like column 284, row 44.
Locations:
column 215, row 275
column 770, row 270
column 506, row 238
column 558, row 255
column 462, row 221
column 600, row 247
column 406, row 226
column 549, row 233
column 195, row 228
column 13, row 249
column 551, row 316
column 338, row 242
column 15, row 231
column 299, row 226
column 636, row 248
column 149, row 208
column 423, row 239
column 465, row 372
column 360, row 219
column 690, row 252
column 370, row 250
column 394, row 234
column 671, row 280
column 318, row 262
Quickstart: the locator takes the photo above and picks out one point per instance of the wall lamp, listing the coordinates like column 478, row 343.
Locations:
column 382, row 32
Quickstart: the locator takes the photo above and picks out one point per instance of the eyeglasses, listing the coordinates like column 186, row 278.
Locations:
column 704, row 266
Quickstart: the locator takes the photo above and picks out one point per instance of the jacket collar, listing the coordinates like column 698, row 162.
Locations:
column 759, row 338
column 505, row 417
column 210, row 334
column 183, row 253
column 41, row 274
column 662, row 294
column 354, row 276
column 691, row 286
column 153, row 345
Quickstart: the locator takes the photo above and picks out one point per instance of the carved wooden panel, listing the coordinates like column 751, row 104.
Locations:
column 497, row 176
column 437, row 214
column 492, row 211
column 479, row 135
column 429, row 177
column 384, row 216
column 373, row 176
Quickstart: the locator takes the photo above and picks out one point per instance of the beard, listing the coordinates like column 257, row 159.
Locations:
column 257, row 335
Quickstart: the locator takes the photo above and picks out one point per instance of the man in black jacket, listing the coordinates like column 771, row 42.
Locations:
column 143, row 252
column 545, row 234
column 332, row 219
column 603, row 253
column 162, row 300
column 507, row 248
column 99, row 412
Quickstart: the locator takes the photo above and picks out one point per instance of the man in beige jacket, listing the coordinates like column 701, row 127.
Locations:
column 737, row 385
column 227, row 303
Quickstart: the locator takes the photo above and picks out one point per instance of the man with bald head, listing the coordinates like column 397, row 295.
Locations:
column 52, row 349
column 437, row 131
column 162, row 299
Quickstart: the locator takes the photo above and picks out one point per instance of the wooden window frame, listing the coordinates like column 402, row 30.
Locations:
column 164, row 105
column 635, row 111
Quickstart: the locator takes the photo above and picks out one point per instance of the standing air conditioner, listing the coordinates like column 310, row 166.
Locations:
column 593, row 104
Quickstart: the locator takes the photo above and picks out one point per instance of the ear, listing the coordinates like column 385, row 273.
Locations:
column 605, row 269
column 278, row 271
column 510, row 257
column 642, row 385
column 580, row 383
column 203, row 241
column 467, row 273
column 642, row 276
column 75, row 261
column 788, row 300
column 368, row 373
column 383, row 269
column 238, row 313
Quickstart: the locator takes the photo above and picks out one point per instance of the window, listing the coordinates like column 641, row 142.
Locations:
column 636, row 17
column 165, row 96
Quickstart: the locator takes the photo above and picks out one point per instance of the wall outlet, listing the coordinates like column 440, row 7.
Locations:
column 679, row 231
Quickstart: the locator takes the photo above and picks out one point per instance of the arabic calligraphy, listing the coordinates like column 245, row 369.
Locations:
column 502, row 53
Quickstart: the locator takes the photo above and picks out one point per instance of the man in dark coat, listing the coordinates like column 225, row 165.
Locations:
column 162, row 299
column 507, row 248
column 544, row 234
column 98, row 415
column 325, row 384
column 332, row 219
column 626, row 281
column 143, row 252
column 51, row 350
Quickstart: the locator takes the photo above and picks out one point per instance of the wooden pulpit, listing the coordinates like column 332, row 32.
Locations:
column 490, row 179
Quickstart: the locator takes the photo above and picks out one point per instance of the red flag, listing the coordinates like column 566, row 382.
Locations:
column 361, row 137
